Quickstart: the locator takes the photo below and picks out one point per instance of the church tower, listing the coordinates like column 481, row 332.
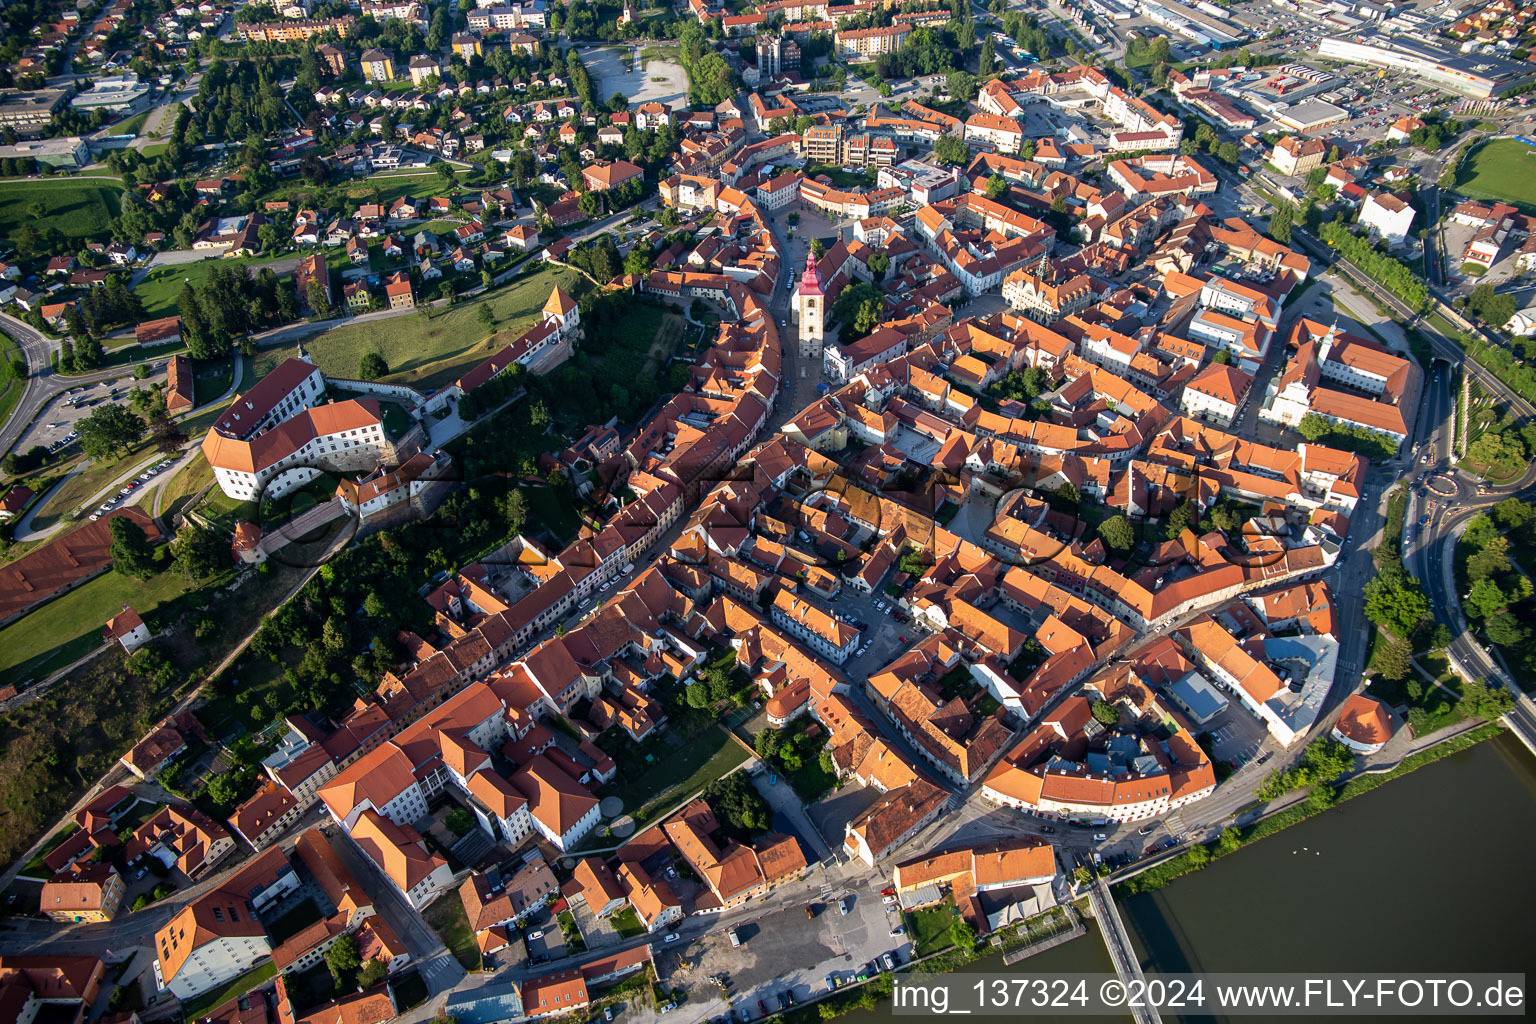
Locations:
column 811, row 309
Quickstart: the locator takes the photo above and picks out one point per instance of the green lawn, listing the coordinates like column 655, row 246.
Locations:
column 79, row 209
column 627, row 923
column 448, row 919
column 238, row 987
column 675, row 773
column 132, row 126
column 211, row 378
column 13, row 389
column 430, row 351
column 1503, row 169
column 928, row 928
column 159, row 288
column 35, row 867
column 70, row 626
column 840, row 177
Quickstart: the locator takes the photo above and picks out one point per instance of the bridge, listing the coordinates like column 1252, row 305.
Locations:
column 1121, row 952
column 1521, row 720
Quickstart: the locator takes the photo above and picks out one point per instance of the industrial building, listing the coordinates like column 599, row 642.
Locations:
column 1478, row 75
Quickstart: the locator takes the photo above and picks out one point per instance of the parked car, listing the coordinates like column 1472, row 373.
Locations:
column 1100, row 837
column 536, row 935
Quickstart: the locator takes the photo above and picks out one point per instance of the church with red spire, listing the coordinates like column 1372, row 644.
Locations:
column 811, row 309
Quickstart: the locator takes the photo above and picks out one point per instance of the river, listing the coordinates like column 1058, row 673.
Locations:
column 1430, row 872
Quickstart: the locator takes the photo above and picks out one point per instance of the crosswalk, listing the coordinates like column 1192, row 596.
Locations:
column 1176, row 824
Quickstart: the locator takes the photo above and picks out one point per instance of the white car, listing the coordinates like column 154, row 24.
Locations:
column 671, row 937
column 536, row 935
column 889, row 899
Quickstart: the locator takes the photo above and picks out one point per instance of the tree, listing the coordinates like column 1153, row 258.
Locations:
column 767, row 743
column 1491, row 561
column 459, row 821
column 315, row 296
column 132, row 553
column 375, row 970
column 1117, row 533
column 1394, row 659
column 1506, row 630
column 514, row 512
column 961, row 85
column 1280, row 223
column 737, row 804
column 372, row 366
column 988, row 59
column 1440, row 638
column 950, row 150
column 962, row 934
column 1486, row 599
column 1229, row 840
column 1180, row 519
column 343, row 956
column 167, row 434
column 997, row 186
column 698, row 695
column 1488, row 703
column 1513, row 513
column 1395, row 601
column 198, row 553
column 1104, row 712
column 110, row 430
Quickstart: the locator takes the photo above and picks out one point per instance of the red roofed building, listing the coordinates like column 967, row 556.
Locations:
column 603, row 177
column 1364, row 724
column 127, row 629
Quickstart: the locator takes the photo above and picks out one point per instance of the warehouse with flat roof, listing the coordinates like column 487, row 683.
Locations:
column 1311, row 115
column 1477, row 75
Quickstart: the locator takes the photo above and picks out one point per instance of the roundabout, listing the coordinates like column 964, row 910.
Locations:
column 1442, row 485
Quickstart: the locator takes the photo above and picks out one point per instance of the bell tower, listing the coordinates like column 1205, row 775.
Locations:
column 811, row 309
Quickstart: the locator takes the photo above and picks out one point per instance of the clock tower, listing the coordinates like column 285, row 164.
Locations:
column 811, row 309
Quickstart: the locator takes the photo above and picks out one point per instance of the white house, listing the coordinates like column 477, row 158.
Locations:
column 1387, row 217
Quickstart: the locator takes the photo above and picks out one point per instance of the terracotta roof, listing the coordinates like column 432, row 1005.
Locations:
column 1364, row 720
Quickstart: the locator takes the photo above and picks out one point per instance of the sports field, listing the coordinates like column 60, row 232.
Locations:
column 1502, row 169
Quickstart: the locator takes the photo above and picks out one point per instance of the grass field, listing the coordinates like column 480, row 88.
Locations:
column 79, row 208
column 447, row 918
column 159, row 288
column 707, row 757
column 13, row 388
column 211, row 378
column 430, row 351
column 238, row 987
column 70, row 626
column 1502, row 169
column 133, row 126
column 929, row 928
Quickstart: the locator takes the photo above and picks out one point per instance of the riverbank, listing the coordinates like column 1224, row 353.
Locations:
column 1200, row 856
